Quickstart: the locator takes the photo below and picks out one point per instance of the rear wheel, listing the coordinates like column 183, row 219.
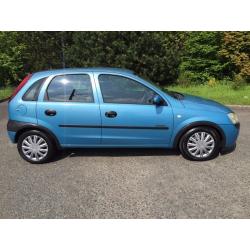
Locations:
column 35, row 147
column 200, row 144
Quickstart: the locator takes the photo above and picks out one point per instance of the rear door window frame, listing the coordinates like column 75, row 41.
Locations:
column 45, row 96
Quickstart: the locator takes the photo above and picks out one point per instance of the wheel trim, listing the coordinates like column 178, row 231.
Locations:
column 34, row 147
column 201, row 144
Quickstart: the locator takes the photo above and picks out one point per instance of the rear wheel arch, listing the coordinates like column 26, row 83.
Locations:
column 38, row 128
column 199, row 124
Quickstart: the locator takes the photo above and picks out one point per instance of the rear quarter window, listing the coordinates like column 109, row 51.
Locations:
column 32, row 93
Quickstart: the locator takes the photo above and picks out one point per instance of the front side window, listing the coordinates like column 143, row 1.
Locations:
column 119, row 89
column 70, row 88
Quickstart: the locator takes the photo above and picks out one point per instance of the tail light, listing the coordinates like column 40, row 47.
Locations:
column 19, row 87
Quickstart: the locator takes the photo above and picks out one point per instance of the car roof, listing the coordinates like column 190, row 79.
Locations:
column 82, row 70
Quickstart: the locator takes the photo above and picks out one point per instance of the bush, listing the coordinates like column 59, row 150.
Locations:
column 238, row 82
column 190, row 78
column 212, row 82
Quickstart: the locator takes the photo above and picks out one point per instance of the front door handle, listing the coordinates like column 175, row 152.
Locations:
column 50, row 112
column 111, row 114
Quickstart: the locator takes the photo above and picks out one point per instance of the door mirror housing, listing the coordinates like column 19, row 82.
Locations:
column 158, row 101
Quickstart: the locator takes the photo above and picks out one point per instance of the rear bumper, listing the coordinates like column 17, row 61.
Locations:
column 12, row 129
column 14, row 126
column 12, row 136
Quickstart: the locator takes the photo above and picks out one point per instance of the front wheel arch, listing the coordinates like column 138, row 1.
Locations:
column 199, row 124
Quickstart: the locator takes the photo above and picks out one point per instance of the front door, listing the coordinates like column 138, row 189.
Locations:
column 68, row 106
column 129, row 118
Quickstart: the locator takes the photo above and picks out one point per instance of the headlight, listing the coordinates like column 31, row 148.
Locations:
column 233, row 118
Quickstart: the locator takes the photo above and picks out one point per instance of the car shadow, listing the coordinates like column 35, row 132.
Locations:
column 113, row 152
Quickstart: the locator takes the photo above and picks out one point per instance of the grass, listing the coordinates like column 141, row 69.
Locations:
column 221, row 93
column 5, row 92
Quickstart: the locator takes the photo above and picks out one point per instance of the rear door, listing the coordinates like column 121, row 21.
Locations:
column 129, row 118
column 68, row 106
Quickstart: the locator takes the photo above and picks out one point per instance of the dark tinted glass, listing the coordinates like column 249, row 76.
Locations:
column 119, row 89
column 33, row 92
column 70, row 88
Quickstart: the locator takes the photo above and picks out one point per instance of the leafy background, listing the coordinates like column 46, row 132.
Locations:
column 166, row 58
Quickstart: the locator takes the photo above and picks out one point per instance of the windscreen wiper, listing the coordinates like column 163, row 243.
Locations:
column 72, row 94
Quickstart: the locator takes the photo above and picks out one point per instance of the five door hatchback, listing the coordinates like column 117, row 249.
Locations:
column 113, row 108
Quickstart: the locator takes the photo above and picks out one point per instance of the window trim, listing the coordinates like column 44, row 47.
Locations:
column 46, row 99
column 144, row 104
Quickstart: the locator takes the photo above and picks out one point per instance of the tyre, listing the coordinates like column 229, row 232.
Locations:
column 35, row 147
column 200, row 144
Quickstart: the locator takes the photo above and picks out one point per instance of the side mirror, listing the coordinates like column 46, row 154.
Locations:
column 158, row 101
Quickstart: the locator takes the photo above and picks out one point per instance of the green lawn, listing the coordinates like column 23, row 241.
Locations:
column 5, row 92
column 221, row 93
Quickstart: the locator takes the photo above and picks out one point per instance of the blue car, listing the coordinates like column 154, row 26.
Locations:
column 113, row 108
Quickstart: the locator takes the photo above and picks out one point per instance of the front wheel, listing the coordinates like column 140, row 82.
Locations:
column 35, row 146
column 200, row 144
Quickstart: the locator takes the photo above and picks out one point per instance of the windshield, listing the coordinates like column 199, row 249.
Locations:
column 154, row 84
column 173, row 94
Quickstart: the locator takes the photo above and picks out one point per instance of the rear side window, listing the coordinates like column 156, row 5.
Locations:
column 33, row 92
column 70, row 88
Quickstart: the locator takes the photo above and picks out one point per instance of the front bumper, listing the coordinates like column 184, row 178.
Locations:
column 231, row 133
column 227, row 150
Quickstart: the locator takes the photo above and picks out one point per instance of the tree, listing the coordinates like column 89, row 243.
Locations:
column 154, row 55
column 11, row 58
column 236, row 51
column 202, row 60
column 43, row 50
column 161, row 57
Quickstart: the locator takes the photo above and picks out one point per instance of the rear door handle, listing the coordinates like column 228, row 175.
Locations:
column 50, row 112
column 111, row 114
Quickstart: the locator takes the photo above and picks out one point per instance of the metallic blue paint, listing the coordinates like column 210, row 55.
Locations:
column 94, row 129
column 231, row 134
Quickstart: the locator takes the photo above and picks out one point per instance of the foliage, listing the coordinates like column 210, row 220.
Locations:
column 43, row 50
column 201, row 60
column 212, row 82
column 154, row 55
column 236, row 51
column 11, row 57
column 6, row 92
column 238, row 82
column 162, row 57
